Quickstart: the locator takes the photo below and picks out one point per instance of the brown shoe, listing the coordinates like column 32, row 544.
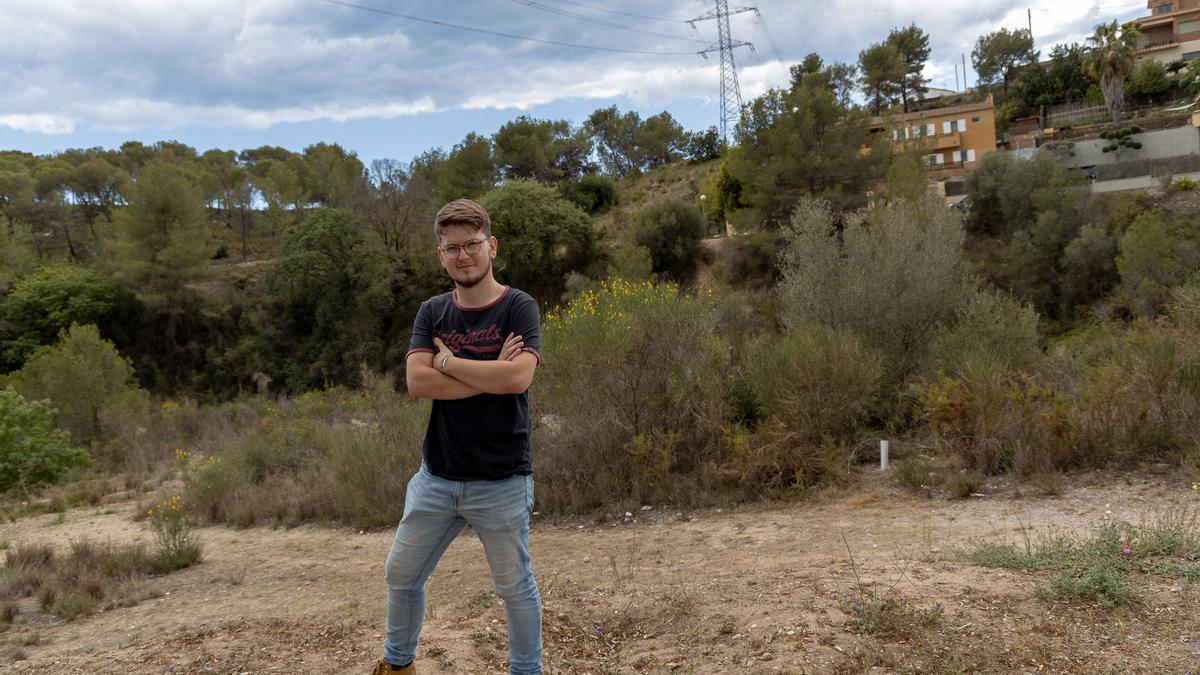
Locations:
column 385, row 668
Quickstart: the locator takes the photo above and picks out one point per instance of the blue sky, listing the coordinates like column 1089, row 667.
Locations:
column 242, row 73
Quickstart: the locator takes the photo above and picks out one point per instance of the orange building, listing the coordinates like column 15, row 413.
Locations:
column 1171, row 32
column 956, row 136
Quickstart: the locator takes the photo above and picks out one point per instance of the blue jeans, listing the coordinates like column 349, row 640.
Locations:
column 435, row 511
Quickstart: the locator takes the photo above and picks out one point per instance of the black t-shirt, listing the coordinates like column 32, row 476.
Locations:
column 484, row 437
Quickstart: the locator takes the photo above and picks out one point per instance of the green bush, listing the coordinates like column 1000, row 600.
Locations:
column 989, row 327
column 32, row 451
column 1155, row 254
column 751, row 260
column 326, row 456
column 815, row 385
column 543, row 238
column 891, row 276
column 673, row 232
column 592, row 193
column 81, row 376
column 993, row 420
column 47, row 302
column 630, row 402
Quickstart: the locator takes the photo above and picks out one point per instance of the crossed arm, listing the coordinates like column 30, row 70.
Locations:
column 511, row 373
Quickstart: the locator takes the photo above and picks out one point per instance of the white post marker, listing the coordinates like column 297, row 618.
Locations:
column 883, row 455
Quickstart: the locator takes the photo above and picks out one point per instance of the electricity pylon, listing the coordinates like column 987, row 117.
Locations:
column 731, row 94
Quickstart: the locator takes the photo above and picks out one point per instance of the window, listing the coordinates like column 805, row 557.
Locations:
column 954, row 126
column 955, row 156
column 1162, row 9
column 974, row 120
column 970, row 156
column 1189, row 26
column 931, row 129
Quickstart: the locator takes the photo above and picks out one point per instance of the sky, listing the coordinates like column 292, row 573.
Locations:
column 236, row 74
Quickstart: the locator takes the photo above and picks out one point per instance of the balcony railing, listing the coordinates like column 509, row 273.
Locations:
column 945, row 142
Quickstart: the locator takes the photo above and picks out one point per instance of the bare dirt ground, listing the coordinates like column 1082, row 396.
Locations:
column 753, row 590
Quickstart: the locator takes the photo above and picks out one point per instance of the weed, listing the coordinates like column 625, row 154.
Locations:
column 915, row 475
column 172, row 526
column 1099, row 565
column 889, row 612
column 964, row 484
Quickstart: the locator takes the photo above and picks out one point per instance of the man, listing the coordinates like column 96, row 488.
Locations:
column 473, row 351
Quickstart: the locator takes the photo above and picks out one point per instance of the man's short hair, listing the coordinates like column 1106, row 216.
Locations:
column 462, row 212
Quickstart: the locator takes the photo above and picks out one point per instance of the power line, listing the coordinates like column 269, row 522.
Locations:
column 601, row 22
column 613, row 11
column 526, row 38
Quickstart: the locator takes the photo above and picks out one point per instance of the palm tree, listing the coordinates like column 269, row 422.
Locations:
column 1109, row 59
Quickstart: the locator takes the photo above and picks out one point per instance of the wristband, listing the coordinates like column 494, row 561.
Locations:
column 444, row 360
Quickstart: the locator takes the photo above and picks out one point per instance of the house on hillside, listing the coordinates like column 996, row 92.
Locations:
column 1171, row 32
column 954, row 139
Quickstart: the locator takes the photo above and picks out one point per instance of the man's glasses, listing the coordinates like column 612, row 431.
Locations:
column 471, row 247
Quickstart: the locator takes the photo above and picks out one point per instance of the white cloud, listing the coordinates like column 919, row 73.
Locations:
column 127, row 64
column 40, row 124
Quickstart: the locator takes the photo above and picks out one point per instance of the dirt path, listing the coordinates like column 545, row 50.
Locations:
column 750, row 591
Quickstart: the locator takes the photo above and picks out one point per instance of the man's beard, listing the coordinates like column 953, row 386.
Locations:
column 470, row 282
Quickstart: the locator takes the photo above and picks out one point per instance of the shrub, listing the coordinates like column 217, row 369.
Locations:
column 172, row 527
column 592, row 193
column 1155, row 254
column 750, row 260
column 673, row 232
column 815, row 380
column 815, row 385
column 542, row 238
column 80, row 375
column 989, row 327
column 629, row 398
column 49, row 301
column 993, row 420
column 1185, row 183
column 32, row 451
column 336, row 455
column 891, row 276
column 1138, row 399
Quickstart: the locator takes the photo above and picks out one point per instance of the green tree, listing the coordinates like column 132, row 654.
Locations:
column 1155, row 254
column 613, row 135
column 46, row 302
column 280, row 183
column 802, row 142
column 1148, row 79
column 998, row 56
column 32, row 451
column 1109, row 60
column 839, row 78
column 881, row 66
column 160, row 241
column 547, row 151
column 891, row 274
column 913, row 45
column 543, row 237
column 80, row 375
column 332, row 295
column 468, row 171
column 702, row 146
column 331, row 176
column 659, row 140
column 97, row 186
column 1008, row 193
column 673, row 232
